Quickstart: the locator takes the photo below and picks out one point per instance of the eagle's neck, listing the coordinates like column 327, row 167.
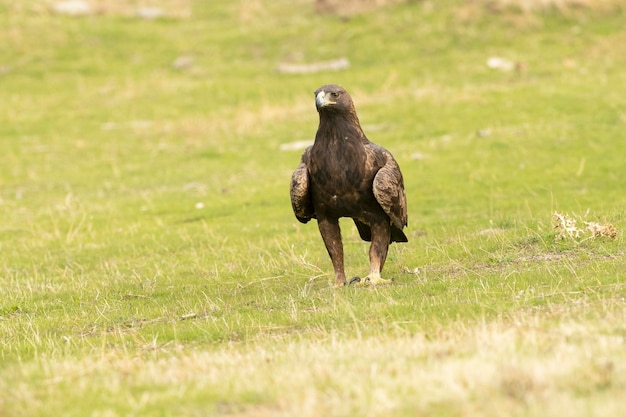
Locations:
column 339, row 127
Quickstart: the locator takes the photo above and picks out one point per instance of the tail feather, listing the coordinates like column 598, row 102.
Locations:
column 397, row 235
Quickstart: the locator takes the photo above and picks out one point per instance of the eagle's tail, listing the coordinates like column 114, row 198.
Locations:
column 397, row 235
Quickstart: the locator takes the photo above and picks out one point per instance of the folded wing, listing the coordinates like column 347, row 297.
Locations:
column 388, row 189
column 300, row 194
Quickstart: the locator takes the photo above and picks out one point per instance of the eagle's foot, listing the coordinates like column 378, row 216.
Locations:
column 372, row 280
column 377, row 280
column 355, row 280
column 340, row 282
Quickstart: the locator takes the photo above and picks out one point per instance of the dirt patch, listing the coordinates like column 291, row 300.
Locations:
column 351, row 7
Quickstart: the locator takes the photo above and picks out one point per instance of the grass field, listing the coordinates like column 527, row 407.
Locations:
column 150, row 263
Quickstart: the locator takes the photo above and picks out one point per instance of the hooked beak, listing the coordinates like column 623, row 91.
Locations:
column 322, row 100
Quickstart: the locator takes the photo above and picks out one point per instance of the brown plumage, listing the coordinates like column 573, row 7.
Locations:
column 343, row 174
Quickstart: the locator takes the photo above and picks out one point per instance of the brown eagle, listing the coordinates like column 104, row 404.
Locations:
column 343, row 174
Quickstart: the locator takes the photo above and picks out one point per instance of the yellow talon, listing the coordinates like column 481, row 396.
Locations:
column 377, row 280
column 372, row 280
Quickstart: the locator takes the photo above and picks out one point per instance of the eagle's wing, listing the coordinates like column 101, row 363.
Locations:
column 300, row 193
column 388, row 189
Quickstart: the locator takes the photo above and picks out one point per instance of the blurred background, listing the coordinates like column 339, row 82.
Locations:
column 139, row 115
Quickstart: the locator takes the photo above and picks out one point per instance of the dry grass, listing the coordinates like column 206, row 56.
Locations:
column 351, row 7
column 502, row 367
column 155, row 8
column 561, row 5
column 152, row 266
column 566, row 228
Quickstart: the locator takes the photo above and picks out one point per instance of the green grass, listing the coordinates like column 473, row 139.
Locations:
column 150, row 263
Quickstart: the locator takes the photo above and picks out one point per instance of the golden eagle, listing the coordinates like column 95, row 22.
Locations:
column 343, row 174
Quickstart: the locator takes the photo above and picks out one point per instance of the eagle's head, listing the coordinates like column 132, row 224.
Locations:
column 333, row 98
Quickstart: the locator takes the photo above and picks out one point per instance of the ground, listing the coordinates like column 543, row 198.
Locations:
column 150, row 262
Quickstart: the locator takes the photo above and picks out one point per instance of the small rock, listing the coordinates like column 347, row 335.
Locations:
column 73, row 8
column 483, row 133
column 183, row 62
column 314, row 67
column 295, row 146
column 150, row 13
column 502, row 64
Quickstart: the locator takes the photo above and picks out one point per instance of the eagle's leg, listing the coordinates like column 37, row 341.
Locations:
column 381, row 236
column 331, row 234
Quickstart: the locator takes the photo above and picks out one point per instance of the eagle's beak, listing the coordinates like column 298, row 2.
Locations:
column 322, row 101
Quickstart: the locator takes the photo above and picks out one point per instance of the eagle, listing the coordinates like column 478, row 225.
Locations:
column 343, row 174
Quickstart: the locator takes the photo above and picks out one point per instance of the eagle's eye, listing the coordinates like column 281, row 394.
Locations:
column 335, row 95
